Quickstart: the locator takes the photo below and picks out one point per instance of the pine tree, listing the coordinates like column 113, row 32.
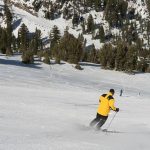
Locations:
column 131, row 59
column 111, row 57
column 107, row 56
column 27, row 57
column 76, row 51
column 142, row 65
column 123, row 8
column 81, row 38
column 83, row 27
column 63, row 46
column 73, row 50
column 3, row 39
column 148, row 5
column 132, row 35
column 115, row 12
column 139, row 44
column 9, row 28
column 148, row 32
column 36, row 42
column 57, row 51
column 46, row 57
column 121, row 56
column 89, row 3
column 14, row 43
column 25, row 45
column 103, row 55
column 92, row 55
column 97, row 4
column 75, row 20
column 37, row 5
column 54, row 36
column 102, row 34
column 47, row 14
column 23, row 38
column 54, row 39
column 51, row 13
column 90, row 24
column 65, row 13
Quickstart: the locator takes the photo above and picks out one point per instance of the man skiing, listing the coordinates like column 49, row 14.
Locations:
column 105, row 105
column 121, row 91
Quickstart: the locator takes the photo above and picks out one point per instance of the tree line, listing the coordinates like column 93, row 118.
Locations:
column 125, row 52
column 125, row 57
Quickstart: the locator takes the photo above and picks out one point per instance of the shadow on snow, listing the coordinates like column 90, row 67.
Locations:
column 19, row 63
column 16, row 23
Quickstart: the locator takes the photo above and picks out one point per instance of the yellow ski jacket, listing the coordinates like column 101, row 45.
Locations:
column 106, row 104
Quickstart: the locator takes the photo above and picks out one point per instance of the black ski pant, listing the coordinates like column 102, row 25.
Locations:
column 98, row 121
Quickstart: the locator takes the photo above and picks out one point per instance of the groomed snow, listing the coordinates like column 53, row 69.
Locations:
column 46, row 107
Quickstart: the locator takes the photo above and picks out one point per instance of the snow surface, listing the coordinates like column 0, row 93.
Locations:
column 49, row 107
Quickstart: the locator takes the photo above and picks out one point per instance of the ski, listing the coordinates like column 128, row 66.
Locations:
column 110, row 131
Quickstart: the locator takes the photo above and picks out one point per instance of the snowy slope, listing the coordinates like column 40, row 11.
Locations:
column 21, row 16
column 140, row 7
column 37, row 20
column 46, row 107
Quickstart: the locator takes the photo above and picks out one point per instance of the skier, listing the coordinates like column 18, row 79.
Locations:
column 121, row 91
column 105, row 105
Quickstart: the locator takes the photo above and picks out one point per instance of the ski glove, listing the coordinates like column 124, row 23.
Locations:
column 117, row 110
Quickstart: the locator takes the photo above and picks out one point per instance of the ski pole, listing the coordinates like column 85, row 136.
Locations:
column 111, row 122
